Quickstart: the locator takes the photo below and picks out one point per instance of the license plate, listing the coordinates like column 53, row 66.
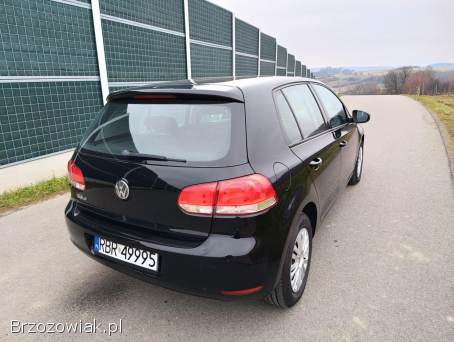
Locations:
column 128, row 254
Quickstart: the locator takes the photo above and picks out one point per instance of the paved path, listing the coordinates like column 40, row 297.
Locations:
column 383, row 260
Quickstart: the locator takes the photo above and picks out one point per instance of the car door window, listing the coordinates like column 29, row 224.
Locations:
column 287, row 119
column 305, row 108
column 333, row 106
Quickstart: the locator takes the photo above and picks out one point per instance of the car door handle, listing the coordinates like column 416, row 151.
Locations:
column 315, row 164
column 343, row 143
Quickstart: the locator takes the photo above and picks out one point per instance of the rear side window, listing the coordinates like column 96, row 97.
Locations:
column 305, row 108
column 200, row 133
column 333, row 106
column 287, row 119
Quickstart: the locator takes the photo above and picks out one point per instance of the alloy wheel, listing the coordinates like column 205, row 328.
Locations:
column 300, row 259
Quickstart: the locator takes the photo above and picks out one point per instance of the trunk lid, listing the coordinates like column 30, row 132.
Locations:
column 156, row 150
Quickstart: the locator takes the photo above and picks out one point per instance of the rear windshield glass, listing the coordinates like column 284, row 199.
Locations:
column 189, row 133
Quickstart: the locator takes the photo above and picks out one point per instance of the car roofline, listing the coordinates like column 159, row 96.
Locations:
column 220, row 89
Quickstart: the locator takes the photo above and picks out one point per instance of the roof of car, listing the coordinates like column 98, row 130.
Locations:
column 231, row 89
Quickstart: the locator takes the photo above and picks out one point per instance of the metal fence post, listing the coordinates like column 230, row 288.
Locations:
column 259, row 53
column 233, row 46
column 275, row 64
column 187, row 37
column 96, row 12
column 286, row 65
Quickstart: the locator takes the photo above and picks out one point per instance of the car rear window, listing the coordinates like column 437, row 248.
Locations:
column 203, row 133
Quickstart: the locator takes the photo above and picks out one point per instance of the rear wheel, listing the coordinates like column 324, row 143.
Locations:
column 356, row 176
column 293, row 278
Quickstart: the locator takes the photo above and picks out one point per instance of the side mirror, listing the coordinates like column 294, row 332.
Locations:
column 360, row 117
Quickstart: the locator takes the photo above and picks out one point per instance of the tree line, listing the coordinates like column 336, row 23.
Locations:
column 409, row 80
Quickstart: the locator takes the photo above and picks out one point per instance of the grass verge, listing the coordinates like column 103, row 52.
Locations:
column 33, row 193
column 443, row 108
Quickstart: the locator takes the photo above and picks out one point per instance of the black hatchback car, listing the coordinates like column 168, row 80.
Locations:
column 214, row 189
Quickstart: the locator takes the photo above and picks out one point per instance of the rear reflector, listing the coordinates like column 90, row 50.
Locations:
column 75, row 175
column 244, row 196
column 242, row 292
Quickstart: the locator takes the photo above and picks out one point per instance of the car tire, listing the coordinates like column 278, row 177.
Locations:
column 358, row 170
column 287, row 292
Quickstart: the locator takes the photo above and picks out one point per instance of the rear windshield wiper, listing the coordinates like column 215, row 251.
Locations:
column 147, row 157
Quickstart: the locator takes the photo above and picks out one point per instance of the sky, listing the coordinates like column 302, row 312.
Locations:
column 355, row 32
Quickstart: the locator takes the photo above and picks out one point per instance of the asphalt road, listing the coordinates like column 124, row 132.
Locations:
column 382, row 268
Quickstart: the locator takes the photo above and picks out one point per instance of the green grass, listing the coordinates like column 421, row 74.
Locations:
column 33, row 193
column 443, row 106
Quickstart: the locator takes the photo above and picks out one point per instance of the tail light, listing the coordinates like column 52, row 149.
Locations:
column 76, row 177
column 244, row 196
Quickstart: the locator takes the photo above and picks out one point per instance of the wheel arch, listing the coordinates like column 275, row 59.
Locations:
column 310, row 209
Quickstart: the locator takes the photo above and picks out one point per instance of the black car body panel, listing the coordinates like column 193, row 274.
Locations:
column 206, row 255
column 185, row 89
column 152, row 204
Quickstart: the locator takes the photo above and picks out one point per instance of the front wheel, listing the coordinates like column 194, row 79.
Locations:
column 358, row 171
column 293, row 278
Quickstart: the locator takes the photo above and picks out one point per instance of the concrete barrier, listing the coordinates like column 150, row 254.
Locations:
column 33, row 171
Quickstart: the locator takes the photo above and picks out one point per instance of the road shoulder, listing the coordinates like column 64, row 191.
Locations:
column 448, row 143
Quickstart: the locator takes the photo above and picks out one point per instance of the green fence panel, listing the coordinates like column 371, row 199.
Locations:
column 246, row 38
column 267, row 47
column 246, row 66
column 168, row 14
column 46, row 38
column 298, row 68
column 44, row 117
column 267, row 68
column 210, row 62
column 291, row 64
column 139, row 54
column 210, row 23
column 281, row 56
column 281, row 72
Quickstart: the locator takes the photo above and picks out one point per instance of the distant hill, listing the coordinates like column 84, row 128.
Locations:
column 368, row 68
column 349, row 69
column 369, row 79
column 355, row 68
column 442, row 66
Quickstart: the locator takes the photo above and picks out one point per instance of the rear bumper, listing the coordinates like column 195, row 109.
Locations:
column 220, row 263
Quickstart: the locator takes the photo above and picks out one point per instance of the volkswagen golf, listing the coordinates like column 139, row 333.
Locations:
column 214, row 189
